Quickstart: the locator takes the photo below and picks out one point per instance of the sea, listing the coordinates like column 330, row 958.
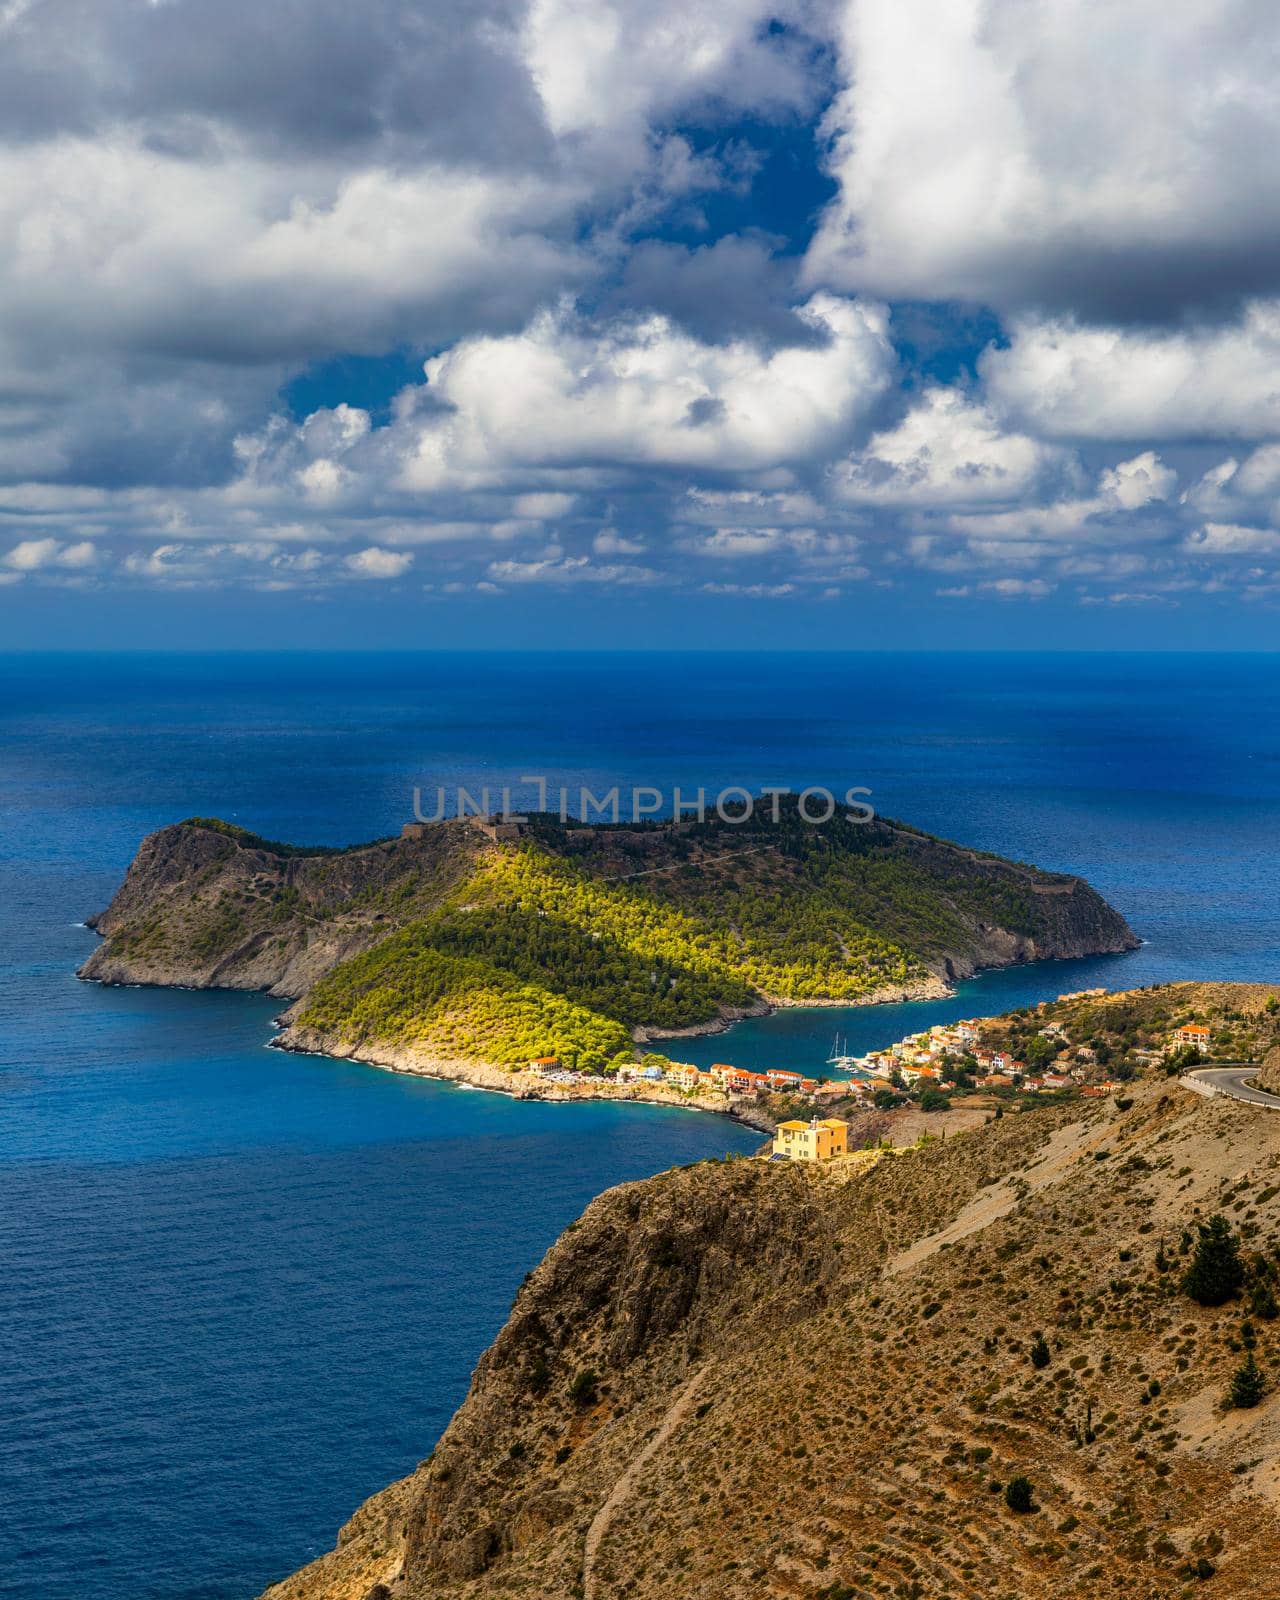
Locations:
column 240, row 1290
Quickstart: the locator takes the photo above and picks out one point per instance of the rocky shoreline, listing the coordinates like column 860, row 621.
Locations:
column 206, row 905
column 518, row 1085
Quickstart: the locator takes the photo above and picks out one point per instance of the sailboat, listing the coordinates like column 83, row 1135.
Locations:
column 842, row 1059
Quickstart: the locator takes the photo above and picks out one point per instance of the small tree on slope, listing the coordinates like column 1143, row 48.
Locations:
column 1216, row 1272
column 1247, row 1384
column 1019, row 1496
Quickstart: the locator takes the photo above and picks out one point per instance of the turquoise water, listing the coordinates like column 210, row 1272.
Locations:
column 242, row 1289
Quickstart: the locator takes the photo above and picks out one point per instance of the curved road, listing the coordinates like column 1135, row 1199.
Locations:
column 1237, row 1081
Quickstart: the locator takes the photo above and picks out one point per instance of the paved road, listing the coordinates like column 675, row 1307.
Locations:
column 1236, row 1081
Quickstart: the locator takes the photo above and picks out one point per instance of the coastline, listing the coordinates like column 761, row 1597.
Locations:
column 523, row 1085
column 931, row 988
column 516, row 1085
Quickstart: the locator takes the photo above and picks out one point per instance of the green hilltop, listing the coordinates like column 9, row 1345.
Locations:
column 573, row 940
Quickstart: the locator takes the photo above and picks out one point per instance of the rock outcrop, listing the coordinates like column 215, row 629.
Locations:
column 1269, row 1074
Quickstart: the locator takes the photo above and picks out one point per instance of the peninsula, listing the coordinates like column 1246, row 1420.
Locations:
column 471, row 949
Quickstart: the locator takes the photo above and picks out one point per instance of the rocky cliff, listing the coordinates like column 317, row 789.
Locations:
column 748, row 1379
column 1269, row 1075
column 205, row 905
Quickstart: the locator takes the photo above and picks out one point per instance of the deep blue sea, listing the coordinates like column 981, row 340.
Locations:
column 240, row 1290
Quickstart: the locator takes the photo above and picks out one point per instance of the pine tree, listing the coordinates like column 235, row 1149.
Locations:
column 1040, row 1354
column 1247, row 1384
column 1216, row 1272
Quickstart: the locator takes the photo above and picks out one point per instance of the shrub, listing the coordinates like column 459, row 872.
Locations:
column 1018, row 1496
column 584, row 1390
column 1040, row 1353
column 1216, row 1273
column 1262, row 1301
column 1247, row 1385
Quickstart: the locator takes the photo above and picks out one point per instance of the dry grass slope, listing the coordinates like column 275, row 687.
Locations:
column 859, row 1350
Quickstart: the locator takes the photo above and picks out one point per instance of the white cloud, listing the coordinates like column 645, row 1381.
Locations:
column 375, row 563
column 605, row 69
column 1129, row 485
column 948, row 450
column 211, row 279
column 33, row 555
column 194, row 206
column 813, row 545
column 1013, row 153
column 1228, row 539
column 544, row 507
column 647, row 394
column 1067, row 380
column 1122, row 490
column 559, row 569
column 1019, row 588
column 609, row 542
column 1236, row 491
column 498, row 181
column 752, row 591
column 750, row 507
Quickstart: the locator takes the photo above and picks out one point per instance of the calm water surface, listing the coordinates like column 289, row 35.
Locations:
column 240, row 1289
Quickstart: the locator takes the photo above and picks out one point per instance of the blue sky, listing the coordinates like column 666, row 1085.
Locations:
column 879, row 323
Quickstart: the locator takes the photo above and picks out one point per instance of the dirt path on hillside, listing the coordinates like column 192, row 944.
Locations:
column 675, row 1415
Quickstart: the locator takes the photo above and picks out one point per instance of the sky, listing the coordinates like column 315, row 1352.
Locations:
column 640, row 323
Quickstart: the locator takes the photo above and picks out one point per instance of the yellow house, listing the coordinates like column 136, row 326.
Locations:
column 818, row 1140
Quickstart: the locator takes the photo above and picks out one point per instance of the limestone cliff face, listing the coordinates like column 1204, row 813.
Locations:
column 752, row 1380
column 205, row 908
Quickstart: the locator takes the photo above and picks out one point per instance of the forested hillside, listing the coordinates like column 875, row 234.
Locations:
column 571, row 940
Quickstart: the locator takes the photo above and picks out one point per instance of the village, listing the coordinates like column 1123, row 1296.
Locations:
column 925, row 1068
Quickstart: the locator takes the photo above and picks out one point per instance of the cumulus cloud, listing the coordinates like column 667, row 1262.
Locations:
column 948, row 450
column 196, row 202
column 1132, row 484
column 609, row 542
column 1069, row 380
column 633, row 380
column 375, row 563
column 648, row 394
column 1104, row 161
column 810, row 544
column 604, row 69
column 1122, row 490
column 1019, row 588
column 1227, row 539
column 34, row 555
